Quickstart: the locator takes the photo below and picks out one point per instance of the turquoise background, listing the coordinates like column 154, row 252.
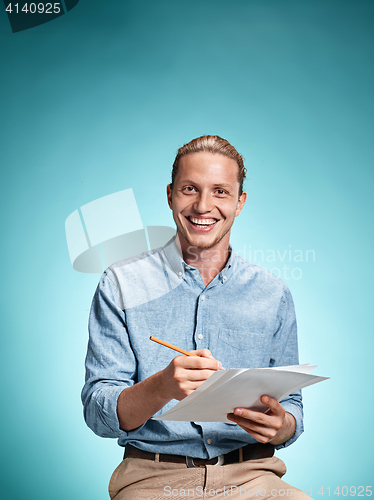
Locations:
column 99, row 100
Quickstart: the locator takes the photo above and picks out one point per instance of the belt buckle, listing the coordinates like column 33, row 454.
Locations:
column 190, row 463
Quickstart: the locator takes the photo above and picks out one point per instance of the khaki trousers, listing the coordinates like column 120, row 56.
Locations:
column 136, row 479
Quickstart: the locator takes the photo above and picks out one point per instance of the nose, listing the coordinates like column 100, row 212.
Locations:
column 203, row 203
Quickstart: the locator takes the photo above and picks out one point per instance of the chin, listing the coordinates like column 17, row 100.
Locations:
column 203, row 244
column 200, row 241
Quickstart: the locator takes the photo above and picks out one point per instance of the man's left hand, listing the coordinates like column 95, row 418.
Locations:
column 275, row 427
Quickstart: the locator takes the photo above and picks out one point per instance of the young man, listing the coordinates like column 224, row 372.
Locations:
column 197, row 294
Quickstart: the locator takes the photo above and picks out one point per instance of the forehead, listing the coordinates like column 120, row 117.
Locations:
column 208, row 168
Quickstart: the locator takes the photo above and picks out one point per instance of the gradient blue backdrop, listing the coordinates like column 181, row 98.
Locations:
column 99, row 100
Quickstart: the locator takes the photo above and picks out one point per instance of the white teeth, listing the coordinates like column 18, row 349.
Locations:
column 202, row 222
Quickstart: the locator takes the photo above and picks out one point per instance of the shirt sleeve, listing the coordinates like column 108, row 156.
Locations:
column 110, row 361
column 284, row 353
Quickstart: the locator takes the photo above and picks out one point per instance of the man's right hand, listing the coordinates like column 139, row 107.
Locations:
column 183, row 375
column 186, row 373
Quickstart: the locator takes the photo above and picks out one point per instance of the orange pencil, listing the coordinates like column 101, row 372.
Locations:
column 175, row 348
column 171, row 346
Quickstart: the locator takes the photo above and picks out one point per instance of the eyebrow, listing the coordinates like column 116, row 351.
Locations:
column 228, row 186
column 223, row 185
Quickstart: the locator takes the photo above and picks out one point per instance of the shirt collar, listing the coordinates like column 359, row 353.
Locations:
column 174, row 256
column 226, row 272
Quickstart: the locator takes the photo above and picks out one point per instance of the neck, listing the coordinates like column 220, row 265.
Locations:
column 209, row 261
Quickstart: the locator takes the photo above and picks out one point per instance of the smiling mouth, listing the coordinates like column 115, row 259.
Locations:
column 202, row 222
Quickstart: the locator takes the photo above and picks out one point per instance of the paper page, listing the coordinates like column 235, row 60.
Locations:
column 216, row 380
column 244, row 389
column 220, row 377
column 306, row 368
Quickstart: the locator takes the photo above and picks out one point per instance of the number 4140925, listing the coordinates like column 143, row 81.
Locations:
column 33, row 8
column 352, row 491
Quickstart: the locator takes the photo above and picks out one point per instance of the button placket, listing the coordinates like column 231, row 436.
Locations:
column 199, row 335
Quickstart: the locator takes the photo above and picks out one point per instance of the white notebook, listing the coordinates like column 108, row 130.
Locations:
column 226, row 390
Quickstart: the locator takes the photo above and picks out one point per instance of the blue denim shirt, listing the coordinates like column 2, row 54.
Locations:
column 245, row 317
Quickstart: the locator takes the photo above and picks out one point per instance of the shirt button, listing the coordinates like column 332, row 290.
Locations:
column 203, row 297
column 209, row 441
column 200, row 336
column 180, row 273
column 224, row 277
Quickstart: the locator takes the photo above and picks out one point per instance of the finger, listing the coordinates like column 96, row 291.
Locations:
column 197, row 362
column 259, row 437
column 202, row 364
column 254, row 416
column 266, row 430
column 245, row 422
column 196, row 375
column 204, row 353
column 186, row 387
column 259, row 432
column 275, row 407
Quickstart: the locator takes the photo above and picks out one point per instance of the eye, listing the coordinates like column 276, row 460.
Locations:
column 221, row 192
column 188, row 189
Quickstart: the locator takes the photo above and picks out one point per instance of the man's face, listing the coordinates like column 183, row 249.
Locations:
column 205, row 198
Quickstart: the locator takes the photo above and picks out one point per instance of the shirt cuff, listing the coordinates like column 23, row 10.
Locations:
column 297, row 413
column 103, row 410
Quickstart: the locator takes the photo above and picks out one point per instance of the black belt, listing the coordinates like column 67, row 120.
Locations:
column 249, row 452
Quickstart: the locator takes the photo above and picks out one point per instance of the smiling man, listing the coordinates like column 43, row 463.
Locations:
column 197, row 294
column 205, row 196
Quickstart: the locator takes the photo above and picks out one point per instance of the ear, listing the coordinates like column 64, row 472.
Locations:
column 241, row 202
column 169, row 195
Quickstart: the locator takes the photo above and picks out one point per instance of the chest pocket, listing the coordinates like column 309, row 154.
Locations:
column 240, row 348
